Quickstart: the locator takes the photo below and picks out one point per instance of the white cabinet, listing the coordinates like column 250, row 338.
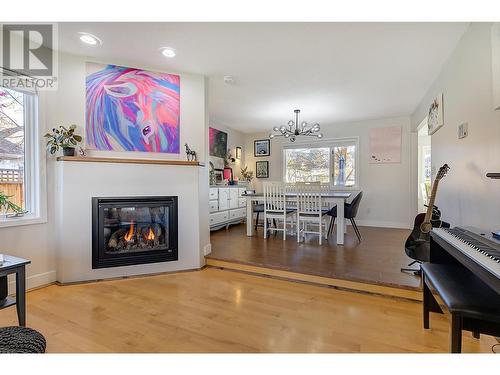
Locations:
column 234, row 198
column 219, row 217
column 214, row 194
column 214, row 206
column 223, row 199
column 226, row 206
column 237, row 214
column 242, row 202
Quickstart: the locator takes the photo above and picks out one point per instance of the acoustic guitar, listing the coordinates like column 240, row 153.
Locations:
column 418, row 243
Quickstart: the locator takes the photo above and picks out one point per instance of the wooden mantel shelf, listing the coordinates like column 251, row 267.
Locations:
column 95, row 159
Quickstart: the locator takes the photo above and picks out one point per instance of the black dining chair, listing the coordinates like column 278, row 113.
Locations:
column 258, row 208
column 350, row 212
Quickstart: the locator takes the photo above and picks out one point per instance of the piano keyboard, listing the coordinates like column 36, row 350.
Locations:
column 483, row 251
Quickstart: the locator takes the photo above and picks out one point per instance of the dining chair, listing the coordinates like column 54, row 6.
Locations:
column 311, row 209
column 275, row 206
column 350, row 212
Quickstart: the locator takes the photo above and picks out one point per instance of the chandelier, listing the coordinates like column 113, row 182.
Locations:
column 294, row 129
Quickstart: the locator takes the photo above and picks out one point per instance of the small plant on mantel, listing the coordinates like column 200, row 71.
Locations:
column 64, row 138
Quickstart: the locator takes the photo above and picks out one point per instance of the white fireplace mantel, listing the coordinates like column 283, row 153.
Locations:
column 78, row 182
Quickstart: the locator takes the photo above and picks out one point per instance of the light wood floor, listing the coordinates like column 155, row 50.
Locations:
column 223, row 311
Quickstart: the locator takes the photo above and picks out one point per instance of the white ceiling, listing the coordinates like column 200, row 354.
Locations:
column 333, row 72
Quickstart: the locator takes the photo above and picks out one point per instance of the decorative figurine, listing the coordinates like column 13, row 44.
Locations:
column 190, row 154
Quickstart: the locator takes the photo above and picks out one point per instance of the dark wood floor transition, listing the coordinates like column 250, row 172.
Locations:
column 376, row 260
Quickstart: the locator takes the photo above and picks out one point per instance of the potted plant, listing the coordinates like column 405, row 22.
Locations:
column 7, row 205
column 64, row 138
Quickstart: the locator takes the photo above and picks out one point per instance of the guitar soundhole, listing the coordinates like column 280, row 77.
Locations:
column 426, row 227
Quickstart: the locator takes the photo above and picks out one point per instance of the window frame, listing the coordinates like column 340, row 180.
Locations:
column 35, row 183
column 330, row 143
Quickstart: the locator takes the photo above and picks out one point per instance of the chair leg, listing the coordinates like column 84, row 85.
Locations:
column 298, row 229
column 257, row 220
column 332, row 223
column 284, row 227
column 456, row 334
column 476, row 335
column 320, row 231
column 356, row 230
column 265, row 226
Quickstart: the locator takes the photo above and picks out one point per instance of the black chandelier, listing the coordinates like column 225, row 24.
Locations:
column 293, row 130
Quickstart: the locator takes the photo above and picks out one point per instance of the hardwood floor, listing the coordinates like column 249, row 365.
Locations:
column 223, row 311
column 377, row 259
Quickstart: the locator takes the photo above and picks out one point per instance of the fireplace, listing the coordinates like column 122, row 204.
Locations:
column 133, row 230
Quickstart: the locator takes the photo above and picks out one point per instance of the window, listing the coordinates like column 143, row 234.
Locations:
column 344, row 165
column 307, row 165
column 329, row 162
column 19, row 151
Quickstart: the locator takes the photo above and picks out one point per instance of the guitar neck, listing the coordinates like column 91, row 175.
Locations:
column 430, row 204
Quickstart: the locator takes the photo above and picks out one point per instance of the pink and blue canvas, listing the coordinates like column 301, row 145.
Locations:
column 130, row 109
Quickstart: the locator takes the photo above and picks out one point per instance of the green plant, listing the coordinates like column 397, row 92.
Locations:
column 246, row 174
column 62, row 138
column 7, row 205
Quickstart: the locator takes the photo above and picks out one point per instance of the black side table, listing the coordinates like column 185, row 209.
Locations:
column 18, row 266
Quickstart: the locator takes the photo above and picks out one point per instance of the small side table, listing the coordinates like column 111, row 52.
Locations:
column 18, row 266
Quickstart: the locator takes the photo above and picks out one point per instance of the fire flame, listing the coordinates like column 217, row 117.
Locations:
column 130, row 233
column 151, row 235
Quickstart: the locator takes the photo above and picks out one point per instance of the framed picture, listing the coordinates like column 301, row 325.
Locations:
column 262, row 147
column 435, row 117
column 262, row 168
column 121, row 101
column 217, row 142
column 219, row 176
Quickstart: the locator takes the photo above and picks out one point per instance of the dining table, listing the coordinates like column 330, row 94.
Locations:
column 333, row 198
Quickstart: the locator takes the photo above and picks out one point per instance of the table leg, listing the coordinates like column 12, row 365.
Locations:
column 21, row 295
column 250, row 229
column 340, row 222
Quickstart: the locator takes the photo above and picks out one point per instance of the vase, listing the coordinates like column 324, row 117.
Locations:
column 68, row 151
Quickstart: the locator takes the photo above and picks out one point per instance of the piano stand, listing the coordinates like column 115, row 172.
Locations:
column 471, row 304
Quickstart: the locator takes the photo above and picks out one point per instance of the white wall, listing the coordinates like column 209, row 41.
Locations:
column 386, row 187
column 466, row 196
column 66, row 106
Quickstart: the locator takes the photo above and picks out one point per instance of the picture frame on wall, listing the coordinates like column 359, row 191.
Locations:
column 262, row 147
column 435, row 117
column 219, row 176
column 262, row 169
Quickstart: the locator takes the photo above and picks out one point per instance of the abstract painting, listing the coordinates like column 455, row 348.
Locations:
column 130, row 109
column 217, row 142
column 385, row 145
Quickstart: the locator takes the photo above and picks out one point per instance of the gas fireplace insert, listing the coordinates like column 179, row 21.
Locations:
column 133, row 230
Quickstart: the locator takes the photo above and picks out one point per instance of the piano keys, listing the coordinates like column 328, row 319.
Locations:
column 469, row 247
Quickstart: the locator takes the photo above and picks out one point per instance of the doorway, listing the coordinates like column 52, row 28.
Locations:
column 424, row 165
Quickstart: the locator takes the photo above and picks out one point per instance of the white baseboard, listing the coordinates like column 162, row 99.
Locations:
column 34, row 281
column 207, row 249
column 382, row 224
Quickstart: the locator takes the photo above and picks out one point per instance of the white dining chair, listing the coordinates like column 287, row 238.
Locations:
column 311, row 209
column 275, row 206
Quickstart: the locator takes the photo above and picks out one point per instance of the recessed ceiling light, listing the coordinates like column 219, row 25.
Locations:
column 168, row 51
column 90, row 39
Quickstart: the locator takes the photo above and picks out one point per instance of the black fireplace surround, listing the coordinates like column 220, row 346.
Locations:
column 133, row 230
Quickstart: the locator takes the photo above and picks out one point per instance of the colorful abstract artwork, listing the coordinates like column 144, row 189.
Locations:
column 130, row 109
column 385, row 145
column 217, row 142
